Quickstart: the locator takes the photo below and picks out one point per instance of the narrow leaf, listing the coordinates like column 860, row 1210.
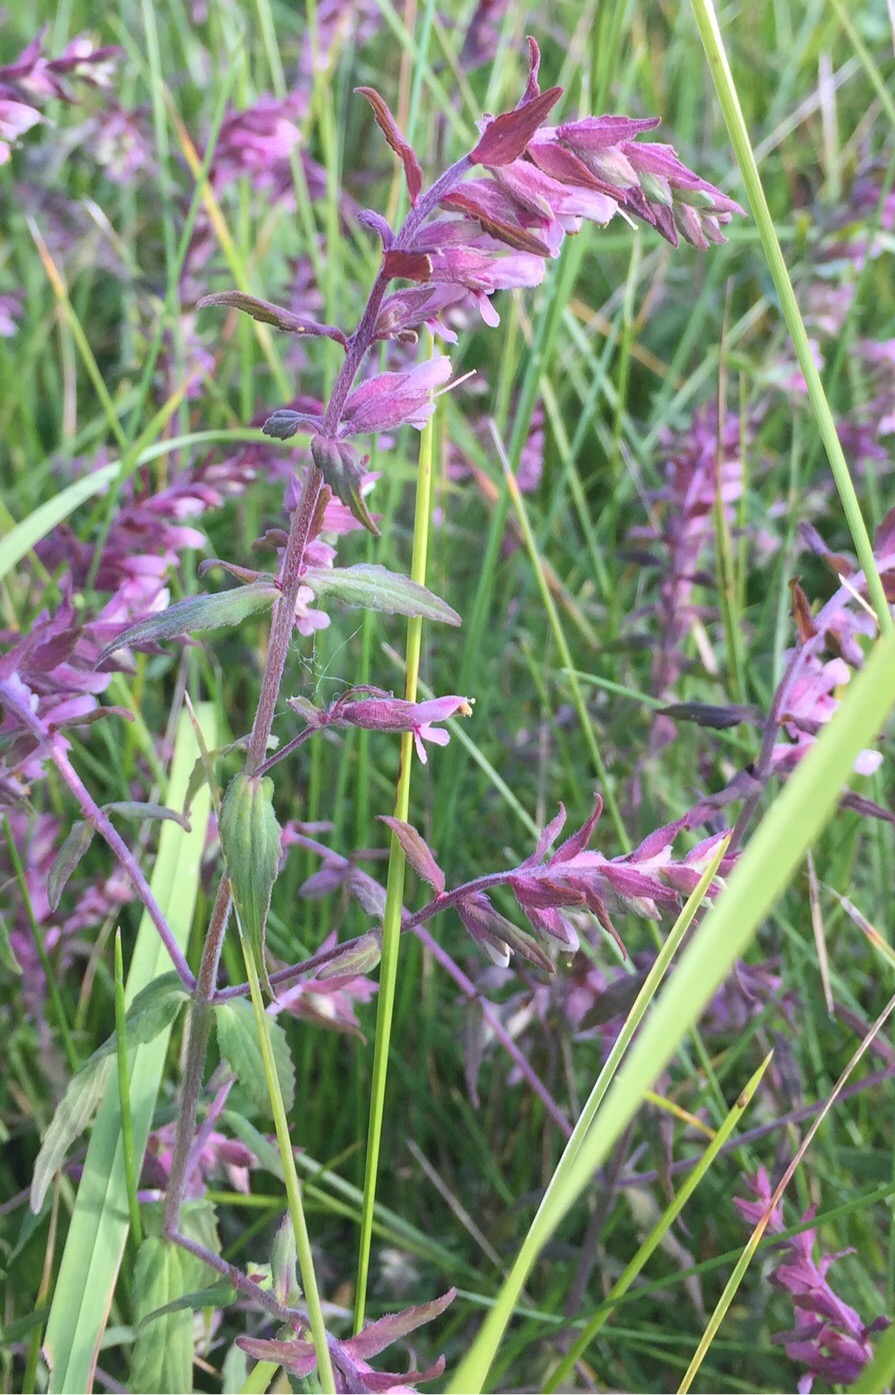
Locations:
column 376, row 588
column 239, row 1045
column 134, row 809
column 706, row 714
column 270, row 314
column 69, row 855
column 153, row 1010
column 25, row 535
column 8, row 960
column 250, row 839
column 73, row 1113
column 219, row 1295
column 203, row 612
column 417, row 852
column 389, row 128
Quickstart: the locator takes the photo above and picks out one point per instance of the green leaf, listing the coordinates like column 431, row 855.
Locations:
column 162, row 1358
column 73, row 1113
column 135, row 809
column 69, row 855
column 250, row 839
column 152, row 1011
column 262, row 310
column 376, row 588
column 219, row 1295
column 8, row 960
column 239, row 1045
column 202, row 612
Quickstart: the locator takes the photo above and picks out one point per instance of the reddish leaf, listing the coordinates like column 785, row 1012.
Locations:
column 417, row 852
column 578, row 841
column 387, row 124
column 505, row 137
column 801, row 612
column 269, row 314
column 409, row 266
column 512, row 234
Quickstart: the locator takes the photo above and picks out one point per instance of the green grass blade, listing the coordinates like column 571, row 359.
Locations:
column 391, row 928
column 99, row 1224
column 713, row 44
column 653, row 1240
column 763, row 874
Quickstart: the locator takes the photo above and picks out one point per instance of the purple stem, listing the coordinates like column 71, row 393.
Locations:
column 522, row 1064
column 303, row 517
column 240, row 1281
column 104, row 827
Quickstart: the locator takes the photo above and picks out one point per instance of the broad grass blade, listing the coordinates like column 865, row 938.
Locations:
column 99, row 1224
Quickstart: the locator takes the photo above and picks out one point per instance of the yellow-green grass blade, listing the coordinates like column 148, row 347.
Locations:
column 765, row 871
column 710, row 34
column 99, row 1223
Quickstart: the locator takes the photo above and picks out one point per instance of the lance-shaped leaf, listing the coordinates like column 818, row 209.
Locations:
column 203, row 612
column 250, row 839
column 499, row 936
column 505, row 137
column 270, row 314
column 239, row 1045
column 376, row 588
column 706, row 714
column 417, row 852
column 68, row 857
column 387, row 124
column 153, row 1009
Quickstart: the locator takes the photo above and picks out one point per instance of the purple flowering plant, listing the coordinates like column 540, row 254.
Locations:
column 548, row 930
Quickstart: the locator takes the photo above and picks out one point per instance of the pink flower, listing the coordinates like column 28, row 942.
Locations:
column 376, row 710
column 830, row 1339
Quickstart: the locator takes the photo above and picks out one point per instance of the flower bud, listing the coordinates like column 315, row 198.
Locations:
column 343, row 469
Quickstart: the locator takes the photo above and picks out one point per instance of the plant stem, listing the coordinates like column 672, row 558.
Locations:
column 391, row 928
column 293, row 1190
column 104, row 827
column 201, row 1013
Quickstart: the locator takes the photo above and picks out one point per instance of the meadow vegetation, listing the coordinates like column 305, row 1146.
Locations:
column 446, row 653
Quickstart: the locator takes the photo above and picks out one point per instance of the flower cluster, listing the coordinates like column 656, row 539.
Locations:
column 375, row 710
column 33, row 79
column 703, row 475
column 830, row 1340
column 350, row 1358
column 52, row 667
column 470, row 236
column 844, row 626
column 550, row 894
